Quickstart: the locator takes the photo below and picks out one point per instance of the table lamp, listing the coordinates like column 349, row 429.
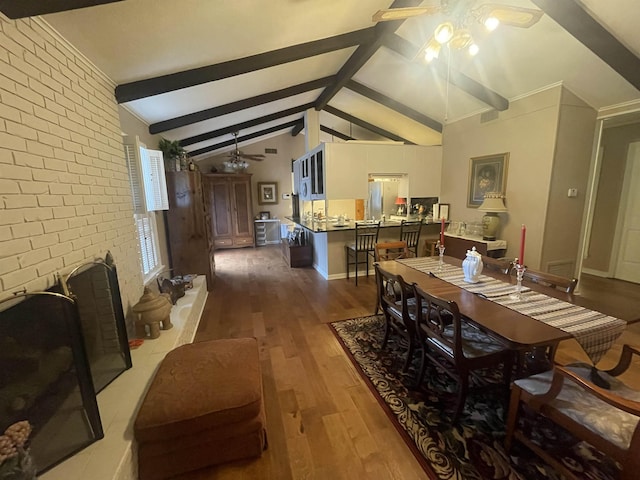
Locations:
column 492, row 204
column 401, row 202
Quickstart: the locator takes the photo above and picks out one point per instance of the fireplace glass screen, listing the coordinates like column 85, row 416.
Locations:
column 45, row 377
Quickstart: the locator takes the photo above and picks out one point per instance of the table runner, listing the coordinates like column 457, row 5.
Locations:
column 594, row 331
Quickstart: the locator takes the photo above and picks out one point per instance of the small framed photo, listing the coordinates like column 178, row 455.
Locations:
column 265, row 215
column 267, row 193
column 443, row 212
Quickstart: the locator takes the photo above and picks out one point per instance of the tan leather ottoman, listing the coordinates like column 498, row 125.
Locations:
column 204, row 407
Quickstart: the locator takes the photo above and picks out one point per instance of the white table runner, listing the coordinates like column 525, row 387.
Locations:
column 595, row 331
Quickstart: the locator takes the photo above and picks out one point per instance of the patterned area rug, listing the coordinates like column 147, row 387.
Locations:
column 473, row 449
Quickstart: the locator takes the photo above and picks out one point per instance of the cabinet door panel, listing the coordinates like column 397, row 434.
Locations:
column 221, row 208
column 243, row 213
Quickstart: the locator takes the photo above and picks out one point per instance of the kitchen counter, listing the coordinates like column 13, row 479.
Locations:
column 328, row 241
column 317, row 226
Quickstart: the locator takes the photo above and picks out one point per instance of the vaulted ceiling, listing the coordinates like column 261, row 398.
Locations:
column 197, row 70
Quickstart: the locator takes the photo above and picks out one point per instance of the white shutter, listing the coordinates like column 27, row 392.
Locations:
column 155, row 184
column 146, row 175
column 135, row 179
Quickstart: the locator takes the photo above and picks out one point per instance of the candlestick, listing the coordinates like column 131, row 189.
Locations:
column 441, row 257
column 442, row 231
column 522, row 235
column 520, row 269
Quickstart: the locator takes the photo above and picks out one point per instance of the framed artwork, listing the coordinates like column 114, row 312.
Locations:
column 265, row 215
column 487, row 174
column 267, row 193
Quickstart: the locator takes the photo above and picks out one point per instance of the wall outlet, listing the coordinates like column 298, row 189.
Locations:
column 573, row 192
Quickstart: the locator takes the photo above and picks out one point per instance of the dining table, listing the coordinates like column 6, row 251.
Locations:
column 538, row 316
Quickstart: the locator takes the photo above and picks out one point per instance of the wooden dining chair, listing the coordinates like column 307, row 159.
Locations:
column 541, row 357
column 399, row 312
column 459, row 348
column 359, row 252
column 564, row 284
column 606, row 419
column 392, row 251
column 410, row 232
column 497, row 265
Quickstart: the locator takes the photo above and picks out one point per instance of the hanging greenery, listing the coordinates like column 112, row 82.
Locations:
column 171, row 149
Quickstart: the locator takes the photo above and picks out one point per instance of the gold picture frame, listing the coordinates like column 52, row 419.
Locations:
column 267, row 193
column 487, row 174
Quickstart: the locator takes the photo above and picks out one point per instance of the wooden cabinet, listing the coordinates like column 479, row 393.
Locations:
column 457, row 246
column 228, row 197
column 297, row 255
column 188, row 223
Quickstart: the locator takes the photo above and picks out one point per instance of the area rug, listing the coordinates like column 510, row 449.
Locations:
column 473, row 448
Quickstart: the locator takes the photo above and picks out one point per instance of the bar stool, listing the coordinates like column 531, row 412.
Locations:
column 364, row 246
column 410, row 233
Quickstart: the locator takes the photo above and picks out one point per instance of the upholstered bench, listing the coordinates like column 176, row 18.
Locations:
column 204, row 407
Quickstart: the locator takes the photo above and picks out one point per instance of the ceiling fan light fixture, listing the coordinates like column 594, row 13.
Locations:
column 461, row 39
column 473, row 49
column 432, row 50
column 443, row 32
column 491, row 23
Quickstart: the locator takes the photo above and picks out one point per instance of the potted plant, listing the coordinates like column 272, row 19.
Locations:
column 172, row 151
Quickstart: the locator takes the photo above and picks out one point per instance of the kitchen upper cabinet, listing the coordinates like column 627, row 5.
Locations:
column 189, row 226
column 229, row 199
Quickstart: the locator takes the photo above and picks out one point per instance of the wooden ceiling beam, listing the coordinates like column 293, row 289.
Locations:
column 335, row 133
column 367, row 125
column 248, row 124
column 571, row 16
column 362, row 54
column 394, row 105
column 297, row 129
column 15, row 9
column 128, row 92
column 244, row 138
column 231, row 107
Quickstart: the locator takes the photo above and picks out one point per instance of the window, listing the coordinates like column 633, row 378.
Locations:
column 149, row 190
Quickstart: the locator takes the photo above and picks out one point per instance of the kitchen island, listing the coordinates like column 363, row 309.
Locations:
column 328, row 240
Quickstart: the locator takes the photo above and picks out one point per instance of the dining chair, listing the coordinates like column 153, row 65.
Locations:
column 358, row 252
column 410, row 233
column 457, row 347
column 541, row 357
column 564, row 284
column 497, row 265
column 608, row 419
column 391, row 250
column 394, row 297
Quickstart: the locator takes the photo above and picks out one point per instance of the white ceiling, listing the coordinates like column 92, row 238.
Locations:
column 135, row 40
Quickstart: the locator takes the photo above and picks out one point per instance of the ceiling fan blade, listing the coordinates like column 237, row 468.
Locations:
column 402, row 13
column 510, row 15
column 257, row 158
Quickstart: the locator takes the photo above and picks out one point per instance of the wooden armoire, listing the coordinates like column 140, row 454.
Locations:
column 228, row 197
column 189, row 226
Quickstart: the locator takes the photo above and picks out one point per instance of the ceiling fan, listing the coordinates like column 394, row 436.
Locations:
column 236, row 155
column 460, row 15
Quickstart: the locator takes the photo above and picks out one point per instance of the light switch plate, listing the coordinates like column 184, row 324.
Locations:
column 573, row 192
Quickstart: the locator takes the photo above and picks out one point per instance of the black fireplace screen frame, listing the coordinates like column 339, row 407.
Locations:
column 102, row 319
column 45, row 377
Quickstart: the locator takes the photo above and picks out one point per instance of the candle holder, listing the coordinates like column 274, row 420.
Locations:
column 441, row 257
column 520, row 269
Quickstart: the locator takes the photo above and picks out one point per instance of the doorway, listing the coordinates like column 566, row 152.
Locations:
column 613, row 229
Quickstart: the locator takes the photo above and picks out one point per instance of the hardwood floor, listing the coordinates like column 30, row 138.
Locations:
column 322, row 420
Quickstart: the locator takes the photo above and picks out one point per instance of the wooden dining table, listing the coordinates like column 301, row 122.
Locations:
column 518, row 331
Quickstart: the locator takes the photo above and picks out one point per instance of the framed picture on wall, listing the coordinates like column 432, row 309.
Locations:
column 267, row 193
column 487, row 174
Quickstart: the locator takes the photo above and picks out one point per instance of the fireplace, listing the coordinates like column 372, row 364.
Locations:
column 57, row 350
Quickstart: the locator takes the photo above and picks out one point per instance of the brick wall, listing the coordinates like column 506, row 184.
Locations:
column 64, row 190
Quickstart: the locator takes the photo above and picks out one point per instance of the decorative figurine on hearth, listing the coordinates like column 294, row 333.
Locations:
column 153, row 314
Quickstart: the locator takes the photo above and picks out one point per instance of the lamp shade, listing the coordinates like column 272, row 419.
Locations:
column 401, row 201
column 493, row 202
